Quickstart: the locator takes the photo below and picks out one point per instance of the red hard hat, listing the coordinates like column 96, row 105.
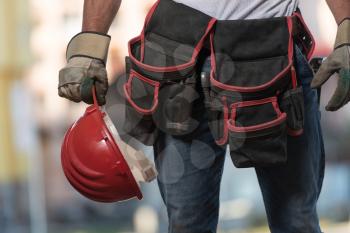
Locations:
column 98, row 164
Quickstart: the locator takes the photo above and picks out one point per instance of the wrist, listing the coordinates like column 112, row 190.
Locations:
column 89, row 44
column 94, row 28
column 343, row 35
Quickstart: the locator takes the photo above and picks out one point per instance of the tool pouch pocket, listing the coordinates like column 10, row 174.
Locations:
column 257, row 133
column 292, row 103
column 162, row 71
column 141, row 101
column 174, row 113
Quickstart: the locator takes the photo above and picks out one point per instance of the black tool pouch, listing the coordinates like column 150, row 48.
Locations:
column 254, row 95
column 162, row 71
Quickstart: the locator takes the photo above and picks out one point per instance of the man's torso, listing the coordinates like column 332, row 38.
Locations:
column 243, row 9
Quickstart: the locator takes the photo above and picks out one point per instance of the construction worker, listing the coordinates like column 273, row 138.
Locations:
column 190, row 168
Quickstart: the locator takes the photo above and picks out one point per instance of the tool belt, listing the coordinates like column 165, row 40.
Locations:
column 252, row 96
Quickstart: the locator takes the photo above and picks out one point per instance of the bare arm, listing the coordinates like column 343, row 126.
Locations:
column 99, row 14
column 340, row 9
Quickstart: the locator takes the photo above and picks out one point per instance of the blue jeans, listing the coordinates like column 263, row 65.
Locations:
column 190, row 172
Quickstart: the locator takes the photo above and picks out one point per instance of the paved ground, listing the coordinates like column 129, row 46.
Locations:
column 328, row 228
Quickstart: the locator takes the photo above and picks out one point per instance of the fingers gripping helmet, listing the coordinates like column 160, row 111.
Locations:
column 98, row 164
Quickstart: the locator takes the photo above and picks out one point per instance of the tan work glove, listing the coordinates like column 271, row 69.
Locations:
column 86, row 58
column 338, row 64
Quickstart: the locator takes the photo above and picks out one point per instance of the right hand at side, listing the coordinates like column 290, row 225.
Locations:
column 86, row 58
column 73, row 76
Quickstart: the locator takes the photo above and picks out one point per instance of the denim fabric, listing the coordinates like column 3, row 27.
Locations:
column 190, row 171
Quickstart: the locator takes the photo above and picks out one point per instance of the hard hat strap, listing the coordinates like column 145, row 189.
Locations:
column 94, row 96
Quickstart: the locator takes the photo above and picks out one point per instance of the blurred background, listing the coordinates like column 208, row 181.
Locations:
column 34, row 194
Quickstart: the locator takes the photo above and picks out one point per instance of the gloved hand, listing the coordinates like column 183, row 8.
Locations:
column 86, row 59
column 337, row 64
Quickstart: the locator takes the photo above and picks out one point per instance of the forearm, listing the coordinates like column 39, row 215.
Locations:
column 340, row 9
column 99, row 14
